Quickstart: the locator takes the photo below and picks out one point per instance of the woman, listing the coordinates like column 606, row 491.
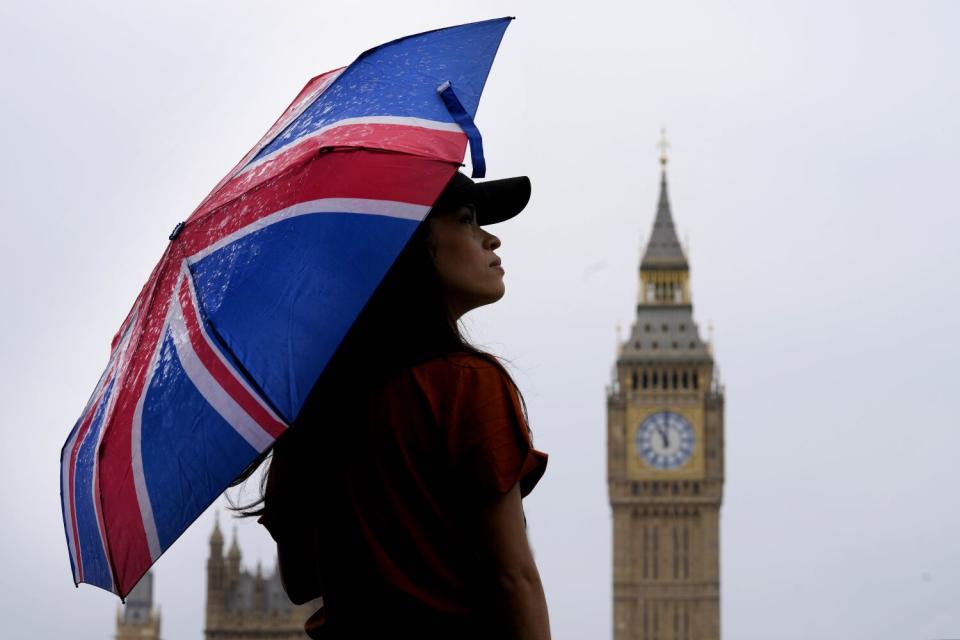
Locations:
column 397, row 495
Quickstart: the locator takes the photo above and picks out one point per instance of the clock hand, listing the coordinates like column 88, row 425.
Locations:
column 663, row 436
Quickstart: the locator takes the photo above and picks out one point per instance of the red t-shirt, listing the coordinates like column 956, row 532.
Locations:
column 390, row 488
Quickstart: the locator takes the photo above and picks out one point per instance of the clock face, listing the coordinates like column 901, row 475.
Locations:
column 665, row 440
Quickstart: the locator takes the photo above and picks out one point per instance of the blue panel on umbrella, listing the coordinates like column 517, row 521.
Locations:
column 401, row 79
column 95, row 568
column 189, row 451
column 282, row 298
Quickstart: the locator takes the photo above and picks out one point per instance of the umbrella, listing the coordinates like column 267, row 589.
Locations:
column 257, row 288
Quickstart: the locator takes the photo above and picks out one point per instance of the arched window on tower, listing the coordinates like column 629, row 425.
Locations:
column 675, row 385
column 676, row 557
column 633, row 380
column 655, row 562
column 686, row 381
column 654, row 379
column 696, row 381
column 645, row 380
column 646, row 551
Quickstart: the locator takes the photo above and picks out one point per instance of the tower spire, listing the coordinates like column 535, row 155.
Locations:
column 663, row 250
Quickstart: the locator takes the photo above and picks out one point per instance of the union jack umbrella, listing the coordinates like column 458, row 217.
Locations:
column 256, row 290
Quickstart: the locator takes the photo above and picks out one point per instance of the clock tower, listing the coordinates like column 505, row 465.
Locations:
column 665, row 455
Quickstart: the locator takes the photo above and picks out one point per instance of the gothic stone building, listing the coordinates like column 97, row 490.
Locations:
column 665, row 456
column 240, row 604
column 248, row 606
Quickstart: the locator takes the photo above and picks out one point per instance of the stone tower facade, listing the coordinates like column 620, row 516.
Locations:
column 137, row 619
column 248, row 606
column 665, row 456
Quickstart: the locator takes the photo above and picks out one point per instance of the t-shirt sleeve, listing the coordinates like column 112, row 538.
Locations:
column 488, row 439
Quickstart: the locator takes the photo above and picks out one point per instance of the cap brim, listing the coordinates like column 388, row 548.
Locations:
column 495, row 200
column 499, row 200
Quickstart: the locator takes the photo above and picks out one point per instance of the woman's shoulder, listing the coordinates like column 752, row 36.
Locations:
column 462, row 363
column 462, row 372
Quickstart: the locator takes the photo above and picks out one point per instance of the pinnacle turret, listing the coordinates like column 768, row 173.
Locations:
column 216, row 538
column 234, row 551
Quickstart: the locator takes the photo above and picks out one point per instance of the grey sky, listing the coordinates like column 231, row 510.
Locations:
column 813, row 169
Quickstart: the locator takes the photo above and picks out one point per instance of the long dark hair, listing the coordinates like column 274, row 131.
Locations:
column 405, row 322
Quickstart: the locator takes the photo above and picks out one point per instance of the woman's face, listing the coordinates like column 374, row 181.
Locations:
column 463, row 254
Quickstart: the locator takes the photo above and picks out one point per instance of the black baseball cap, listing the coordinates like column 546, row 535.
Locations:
column 495, row 200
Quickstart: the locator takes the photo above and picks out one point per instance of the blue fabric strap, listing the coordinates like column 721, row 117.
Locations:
column 463, row 119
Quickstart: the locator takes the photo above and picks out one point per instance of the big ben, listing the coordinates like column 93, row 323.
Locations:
column 665, row 455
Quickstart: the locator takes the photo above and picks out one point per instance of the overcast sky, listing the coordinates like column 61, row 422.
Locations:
column 813, row 173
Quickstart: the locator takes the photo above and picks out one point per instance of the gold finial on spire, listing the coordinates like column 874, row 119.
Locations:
column 663, row 145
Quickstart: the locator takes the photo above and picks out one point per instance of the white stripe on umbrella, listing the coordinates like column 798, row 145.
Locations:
column 136, row 455
column 271, row 416
column 360, row 206
column 404, row 121
column 211, row 389
column 66, row 471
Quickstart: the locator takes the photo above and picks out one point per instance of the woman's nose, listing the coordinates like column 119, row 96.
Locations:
column 493, row 242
